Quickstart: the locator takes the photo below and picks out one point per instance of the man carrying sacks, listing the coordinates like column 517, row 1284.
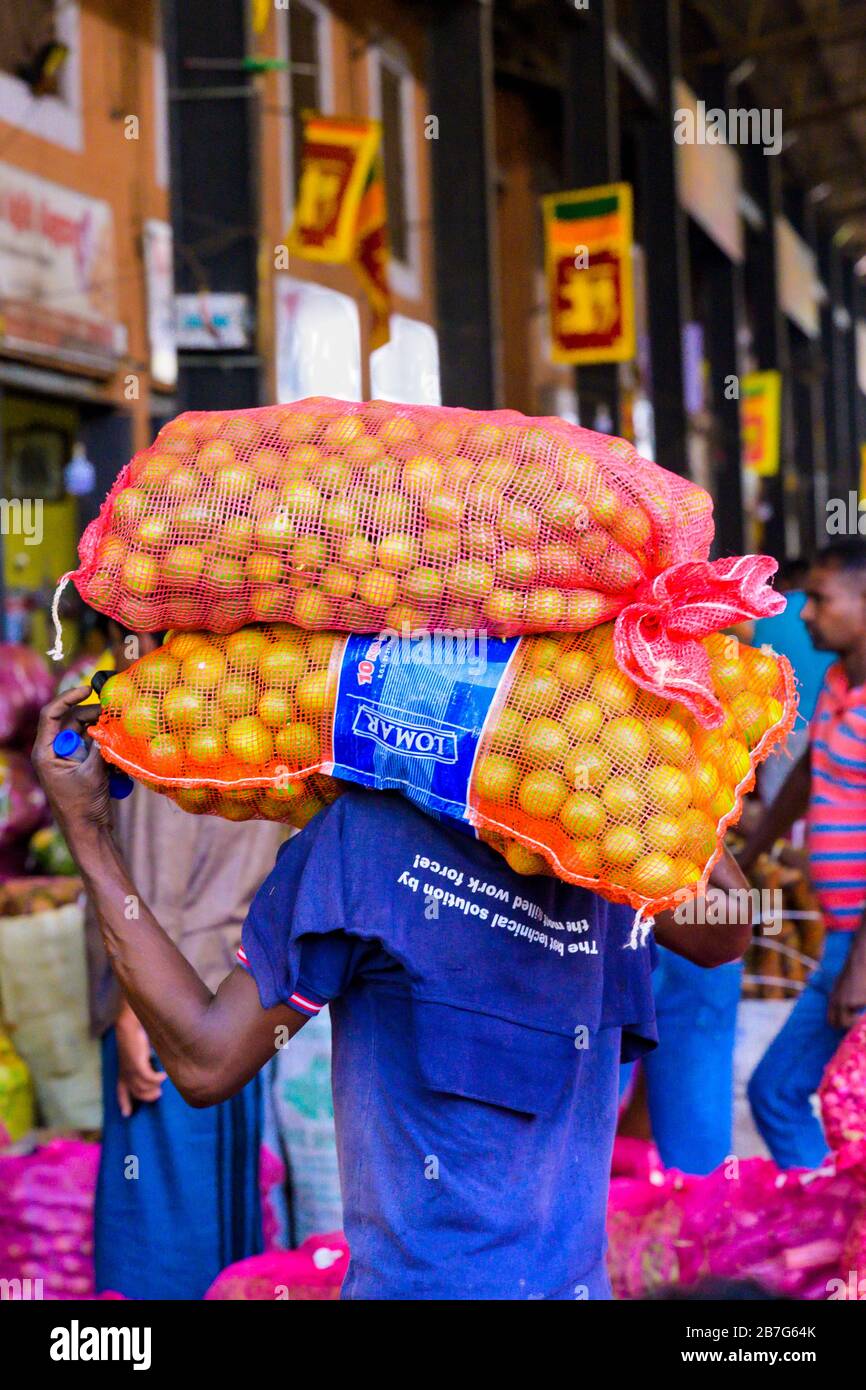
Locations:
column 482, row 994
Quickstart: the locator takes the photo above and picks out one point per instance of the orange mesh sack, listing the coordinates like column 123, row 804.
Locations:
column 555, row 755
column 353, row 517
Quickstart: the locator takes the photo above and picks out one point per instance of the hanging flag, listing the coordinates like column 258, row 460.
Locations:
column 588, row 253
column 341, row 213
column 760, row 421
column 371, row 252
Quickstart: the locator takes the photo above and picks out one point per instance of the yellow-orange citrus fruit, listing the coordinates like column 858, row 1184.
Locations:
column 249, row 740
column 495, row 777
column 671, row 740
column 736, row 761
column 582, row 720
column 654, row 874
column 542, row 793
column 627, row 740
column 622, row 798
column 663, row 833
column 586, row 766
column 613, row 690
column 621, row 845
column 668, row 789
column 523, row 860
column 543, row 741
column 575, row 669
column 582, row 815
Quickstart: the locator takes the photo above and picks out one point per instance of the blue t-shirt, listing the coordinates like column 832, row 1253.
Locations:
column 479, row 1019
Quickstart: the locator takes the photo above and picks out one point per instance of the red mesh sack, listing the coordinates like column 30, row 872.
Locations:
column 352, row 517
column 578, row 769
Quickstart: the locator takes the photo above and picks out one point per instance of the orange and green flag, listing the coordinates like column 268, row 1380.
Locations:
column 588, row 260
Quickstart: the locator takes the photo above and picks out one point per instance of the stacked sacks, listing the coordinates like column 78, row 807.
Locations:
column 613, row 750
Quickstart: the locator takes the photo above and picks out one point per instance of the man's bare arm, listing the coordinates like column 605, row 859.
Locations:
column 723, row 939
column 790, row 804
column 210, row 1044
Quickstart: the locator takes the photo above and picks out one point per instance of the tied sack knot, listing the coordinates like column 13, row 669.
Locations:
column 657, row 637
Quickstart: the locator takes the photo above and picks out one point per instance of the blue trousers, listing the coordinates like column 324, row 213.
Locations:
column 690, row 1075
column 177, row 1198
column 790, row 1070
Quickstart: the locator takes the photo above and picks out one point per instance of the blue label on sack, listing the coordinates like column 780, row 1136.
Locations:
column 410, row 711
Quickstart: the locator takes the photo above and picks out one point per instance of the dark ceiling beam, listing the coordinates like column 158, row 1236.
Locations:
column 827, row 111
column 823, row 32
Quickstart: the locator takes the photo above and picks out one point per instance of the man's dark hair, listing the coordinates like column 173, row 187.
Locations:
column 848, row 555
column 792, row 573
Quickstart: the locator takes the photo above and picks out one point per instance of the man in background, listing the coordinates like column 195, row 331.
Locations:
column 178, row 1194
column 788, row 635
column 828, row 785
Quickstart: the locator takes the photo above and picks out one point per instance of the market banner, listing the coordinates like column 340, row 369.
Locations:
column 588, row 256
column 58, row 274
column 341, row 214
column 760, row 421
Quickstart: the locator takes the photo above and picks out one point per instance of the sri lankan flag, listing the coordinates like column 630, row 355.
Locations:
column 588, row 249
column 341, row 215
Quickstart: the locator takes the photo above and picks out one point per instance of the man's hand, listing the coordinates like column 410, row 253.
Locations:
column 848, row 999
column 137, row 1079
column 713, row 930
column 77, row 792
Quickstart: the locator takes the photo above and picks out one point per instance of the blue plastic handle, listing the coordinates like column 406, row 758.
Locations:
column 69, row 744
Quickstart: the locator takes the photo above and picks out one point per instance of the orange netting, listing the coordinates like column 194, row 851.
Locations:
column 352, row 517
column 580, row 771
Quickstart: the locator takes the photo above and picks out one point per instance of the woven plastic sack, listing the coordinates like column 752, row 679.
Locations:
column 352, row 517
column 315, row 1270
column 784, row 1231
column 559, row 759
column 26, row 684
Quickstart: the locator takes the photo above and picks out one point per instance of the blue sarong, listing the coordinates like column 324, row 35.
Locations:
column 177, row 1197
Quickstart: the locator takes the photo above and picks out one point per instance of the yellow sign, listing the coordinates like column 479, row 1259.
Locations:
column 588, row 251
column 760, row 421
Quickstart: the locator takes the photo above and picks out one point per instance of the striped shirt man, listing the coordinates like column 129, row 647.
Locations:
column 837, row 806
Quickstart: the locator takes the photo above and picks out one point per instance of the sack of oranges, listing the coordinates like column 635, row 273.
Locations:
column 354, row 517
column 569, row 753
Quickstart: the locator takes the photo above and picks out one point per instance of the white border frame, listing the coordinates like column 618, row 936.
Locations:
column 325, row 41
column 56, row 119
column 405, row 276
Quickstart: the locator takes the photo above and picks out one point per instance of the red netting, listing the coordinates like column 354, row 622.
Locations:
column 353, row 517
column 580, row 771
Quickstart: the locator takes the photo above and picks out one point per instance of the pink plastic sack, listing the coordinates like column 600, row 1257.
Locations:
column 26, row 684
column 23, row 805
column 315, row 1270
column 46, row 1218
column 786, row 1231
